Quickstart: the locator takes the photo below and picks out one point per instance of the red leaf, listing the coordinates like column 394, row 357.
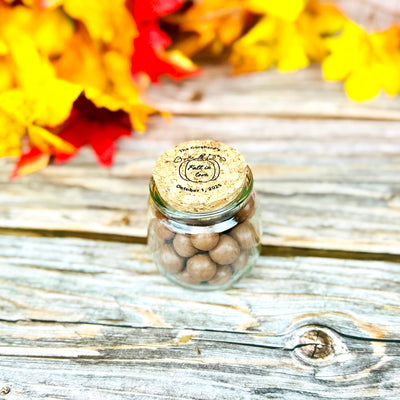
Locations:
column 104, row 146
column 98, row 127
column 147, row 10
column 150, row 56
column 29, row 162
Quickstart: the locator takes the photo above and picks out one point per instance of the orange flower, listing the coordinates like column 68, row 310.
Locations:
column 212, row 23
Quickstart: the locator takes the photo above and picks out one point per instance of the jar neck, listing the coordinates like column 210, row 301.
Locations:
column 203, row 218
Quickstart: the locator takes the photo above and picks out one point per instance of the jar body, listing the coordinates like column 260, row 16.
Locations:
column 207, row 252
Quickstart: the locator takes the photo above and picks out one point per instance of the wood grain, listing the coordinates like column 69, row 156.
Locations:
column 90, row 319
column 74, row 361
column 302, row 93
column 328, row 183
column 76, row 280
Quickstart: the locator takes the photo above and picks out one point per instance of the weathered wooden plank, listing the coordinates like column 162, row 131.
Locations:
column 322, row 184
column 300, row 94
column 92, row 319
column 75, row 361
column 87, row 281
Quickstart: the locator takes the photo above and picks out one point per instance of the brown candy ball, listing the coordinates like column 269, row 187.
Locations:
column 247, row 211
column 226, row 251
column 183, row 246
column 205, row 241
column 169, row 260
column 245, row 235
column 161, row 230
column 201, row 267
column 222, row 276
column 241, row 262
column 185, row 277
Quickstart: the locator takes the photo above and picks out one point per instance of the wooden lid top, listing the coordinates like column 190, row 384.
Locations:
column 200, row 175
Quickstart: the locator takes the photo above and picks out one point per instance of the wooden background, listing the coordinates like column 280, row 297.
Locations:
column 85, row 315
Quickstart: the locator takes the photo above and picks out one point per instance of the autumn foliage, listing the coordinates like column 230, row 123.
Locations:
column 73, row 73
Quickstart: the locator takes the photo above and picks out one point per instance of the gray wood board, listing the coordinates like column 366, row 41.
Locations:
column 81, row 361
column 77, row 280
column 92, row 319
column 327, row 181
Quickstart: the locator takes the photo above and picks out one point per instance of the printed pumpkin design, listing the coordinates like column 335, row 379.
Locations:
column 204, row 168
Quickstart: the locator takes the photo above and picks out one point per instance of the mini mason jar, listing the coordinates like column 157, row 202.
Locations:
column 204, row 226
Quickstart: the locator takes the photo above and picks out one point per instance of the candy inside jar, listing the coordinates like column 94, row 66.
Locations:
column 205, row 260
column 204, row 242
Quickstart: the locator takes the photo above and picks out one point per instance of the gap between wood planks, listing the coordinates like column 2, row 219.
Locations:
column 269, row 251
column 384, row 117
column 266, row 250
column 218, row 331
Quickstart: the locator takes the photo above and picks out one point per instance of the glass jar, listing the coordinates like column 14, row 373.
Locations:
column 203, row 241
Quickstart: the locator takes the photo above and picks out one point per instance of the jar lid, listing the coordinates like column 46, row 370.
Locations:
column 200, row 175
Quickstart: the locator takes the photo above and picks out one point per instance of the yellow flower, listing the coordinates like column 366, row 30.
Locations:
column 219, row 23
column 49, row 29
column 102, row 47
column 36, row 78
column 109, row 22
column 47, row 59
column 6, row 74
column 81, row 51
column 104, row 76
column 367, row 62
column 214, row 23
column 317, row 22
column 10, row 136
column 288, row 45
column 40, row 99
column 287, row 10
column 124, row 95
column 22, row 114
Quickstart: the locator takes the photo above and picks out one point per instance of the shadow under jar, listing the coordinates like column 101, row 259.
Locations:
column 204, row 225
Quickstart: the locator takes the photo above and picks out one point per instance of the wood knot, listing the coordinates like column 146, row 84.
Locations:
column 196, row 96
column 316, row 344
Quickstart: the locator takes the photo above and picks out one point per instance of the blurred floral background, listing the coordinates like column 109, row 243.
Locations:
column 75, row 73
